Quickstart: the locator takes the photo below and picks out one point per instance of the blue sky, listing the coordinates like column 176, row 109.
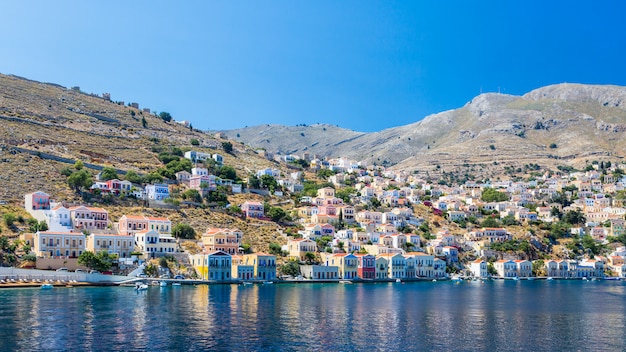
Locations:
column 363, row 65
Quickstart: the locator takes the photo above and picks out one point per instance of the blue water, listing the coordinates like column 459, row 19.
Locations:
column 424, row 316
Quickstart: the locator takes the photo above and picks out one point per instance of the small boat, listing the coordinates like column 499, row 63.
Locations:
column 549, row 278
column 398, row 280
column 163, row 284
column 141, row 287
column 345, row 281
column 246, row 283
column 434, row 280
column 267, row 282
column 516, row 278
column 46, row 286
column 176, row 284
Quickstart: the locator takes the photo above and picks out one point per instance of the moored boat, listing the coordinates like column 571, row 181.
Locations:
column 46, row 286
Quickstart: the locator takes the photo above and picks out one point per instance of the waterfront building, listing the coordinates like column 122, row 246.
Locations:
column 155, row 244
column 557, row 268
column 121, row 245
column 264, row 265
column 240, row 270
column 215, row 265
column 439, row 268
column 479, row 268
column 506, row 268
column 366, row 266
column 524, row 268
column 346, row 262
column 319, row 272
column 382, row 267
column 49, row 244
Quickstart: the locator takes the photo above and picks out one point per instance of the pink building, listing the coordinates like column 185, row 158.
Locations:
column 253, row 209
column 87, row 218
column 37, row 201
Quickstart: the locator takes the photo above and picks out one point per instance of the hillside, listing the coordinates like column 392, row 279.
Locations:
column 567, row 122
column 46, row 128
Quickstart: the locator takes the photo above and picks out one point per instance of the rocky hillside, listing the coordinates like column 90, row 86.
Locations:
column 44, row 124
column 566, row 122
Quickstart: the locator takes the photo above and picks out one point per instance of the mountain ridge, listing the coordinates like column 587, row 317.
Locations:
column 558, row 122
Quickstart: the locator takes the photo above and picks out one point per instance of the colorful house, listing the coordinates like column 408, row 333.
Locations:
column 366, row 266
column 215, row 265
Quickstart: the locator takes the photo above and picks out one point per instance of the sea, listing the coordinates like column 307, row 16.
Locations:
column 418, row 316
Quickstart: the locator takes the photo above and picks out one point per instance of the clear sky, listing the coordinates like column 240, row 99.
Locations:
column 363, row 65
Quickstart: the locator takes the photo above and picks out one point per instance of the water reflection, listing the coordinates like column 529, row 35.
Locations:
column 418, row 316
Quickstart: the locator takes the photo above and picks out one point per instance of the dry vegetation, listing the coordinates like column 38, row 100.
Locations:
column 61, row 122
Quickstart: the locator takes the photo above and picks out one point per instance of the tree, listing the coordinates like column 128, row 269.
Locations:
column 324, row 174
column 254, row 182
column 539, row 268
column 78, row 165
column 574, row 217
column 165, row 116
column 9, row 219
column 192, row 195
column 345, row 193
column 43, row 226
column 80, row 180
column 269, row 182
column 491, row 270
column 491, row 195
column 100, row 261
column 194, row 142
column 228, row 147
column 144, row 123
column 227, row 172
column 132, row 176
column 276, row 213
column 275, row 249
column 183, row 231
column 490, row 222
column 374, row 202
column 291, row 268
column 153, row 177
column 309, row 257
column 108, row 173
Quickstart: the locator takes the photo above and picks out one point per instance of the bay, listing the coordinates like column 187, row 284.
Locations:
column 422, row 316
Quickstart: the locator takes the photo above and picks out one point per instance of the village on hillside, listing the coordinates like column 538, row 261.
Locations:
column 354, row 222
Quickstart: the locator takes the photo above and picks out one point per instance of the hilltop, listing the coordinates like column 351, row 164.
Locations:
column 47, row 127
column 560, row 124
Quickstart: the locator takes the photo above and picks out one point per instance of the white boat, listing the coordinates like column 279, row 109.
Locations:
column 549, row 278
column 46, row 286
column 176, row 284
column 163, row 284
column 434, row 280
column 267, row 282
column 246, row 283
column 141, row 287
column 345, row 281
column 398, row 280
column 516, row 278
